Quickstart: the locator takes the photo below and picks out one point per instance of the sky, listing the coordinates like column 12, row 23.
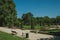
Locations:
column 39, row 8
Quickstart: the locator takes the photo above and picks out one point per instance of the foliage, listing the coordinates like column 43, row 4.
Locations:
column 7, row 13
column 27, row 19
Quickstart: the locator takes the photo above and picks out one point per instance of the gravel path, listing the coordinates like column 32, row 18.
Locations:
column 32, row 36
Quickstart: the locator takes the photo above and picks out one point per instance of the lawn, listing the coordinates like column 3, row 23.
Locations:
column 55, row 30
column 35, row 27
column 27, row 27
column 6, row 36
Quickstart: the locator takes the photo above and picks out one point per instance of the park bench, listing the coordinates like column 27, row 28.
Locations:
column 14, row 32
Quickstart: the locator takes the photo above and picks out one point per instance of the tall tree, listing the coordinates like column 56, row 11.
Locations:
column 47, row 20
column 40, row 21
column 58, row 20
column 28, row 19
column 7, row 13
column 53, row 21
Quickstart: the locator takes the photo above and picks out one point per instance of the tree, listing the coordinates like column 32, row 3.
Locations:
column 40, row 21
column 28, row 19
column 47, row 20
column 58, row 20
column 7, row 13
column 53, row 21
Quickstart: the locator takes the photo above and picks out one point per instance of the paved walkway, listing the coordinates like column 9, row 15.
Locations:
column 32, row 36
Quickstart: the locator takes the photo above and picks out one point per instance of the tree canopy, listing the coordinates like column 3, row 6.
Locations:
column 7, row 13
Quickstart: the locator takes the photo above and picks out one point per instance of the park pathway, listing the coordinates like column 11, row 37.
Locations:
column 32, row 36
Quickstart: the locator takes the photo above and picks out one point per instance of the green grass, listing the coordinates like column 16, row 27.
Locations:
column 35, row 27
column 27, row 27
column 42, row 28
column 55, row 30
column 6, row 36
